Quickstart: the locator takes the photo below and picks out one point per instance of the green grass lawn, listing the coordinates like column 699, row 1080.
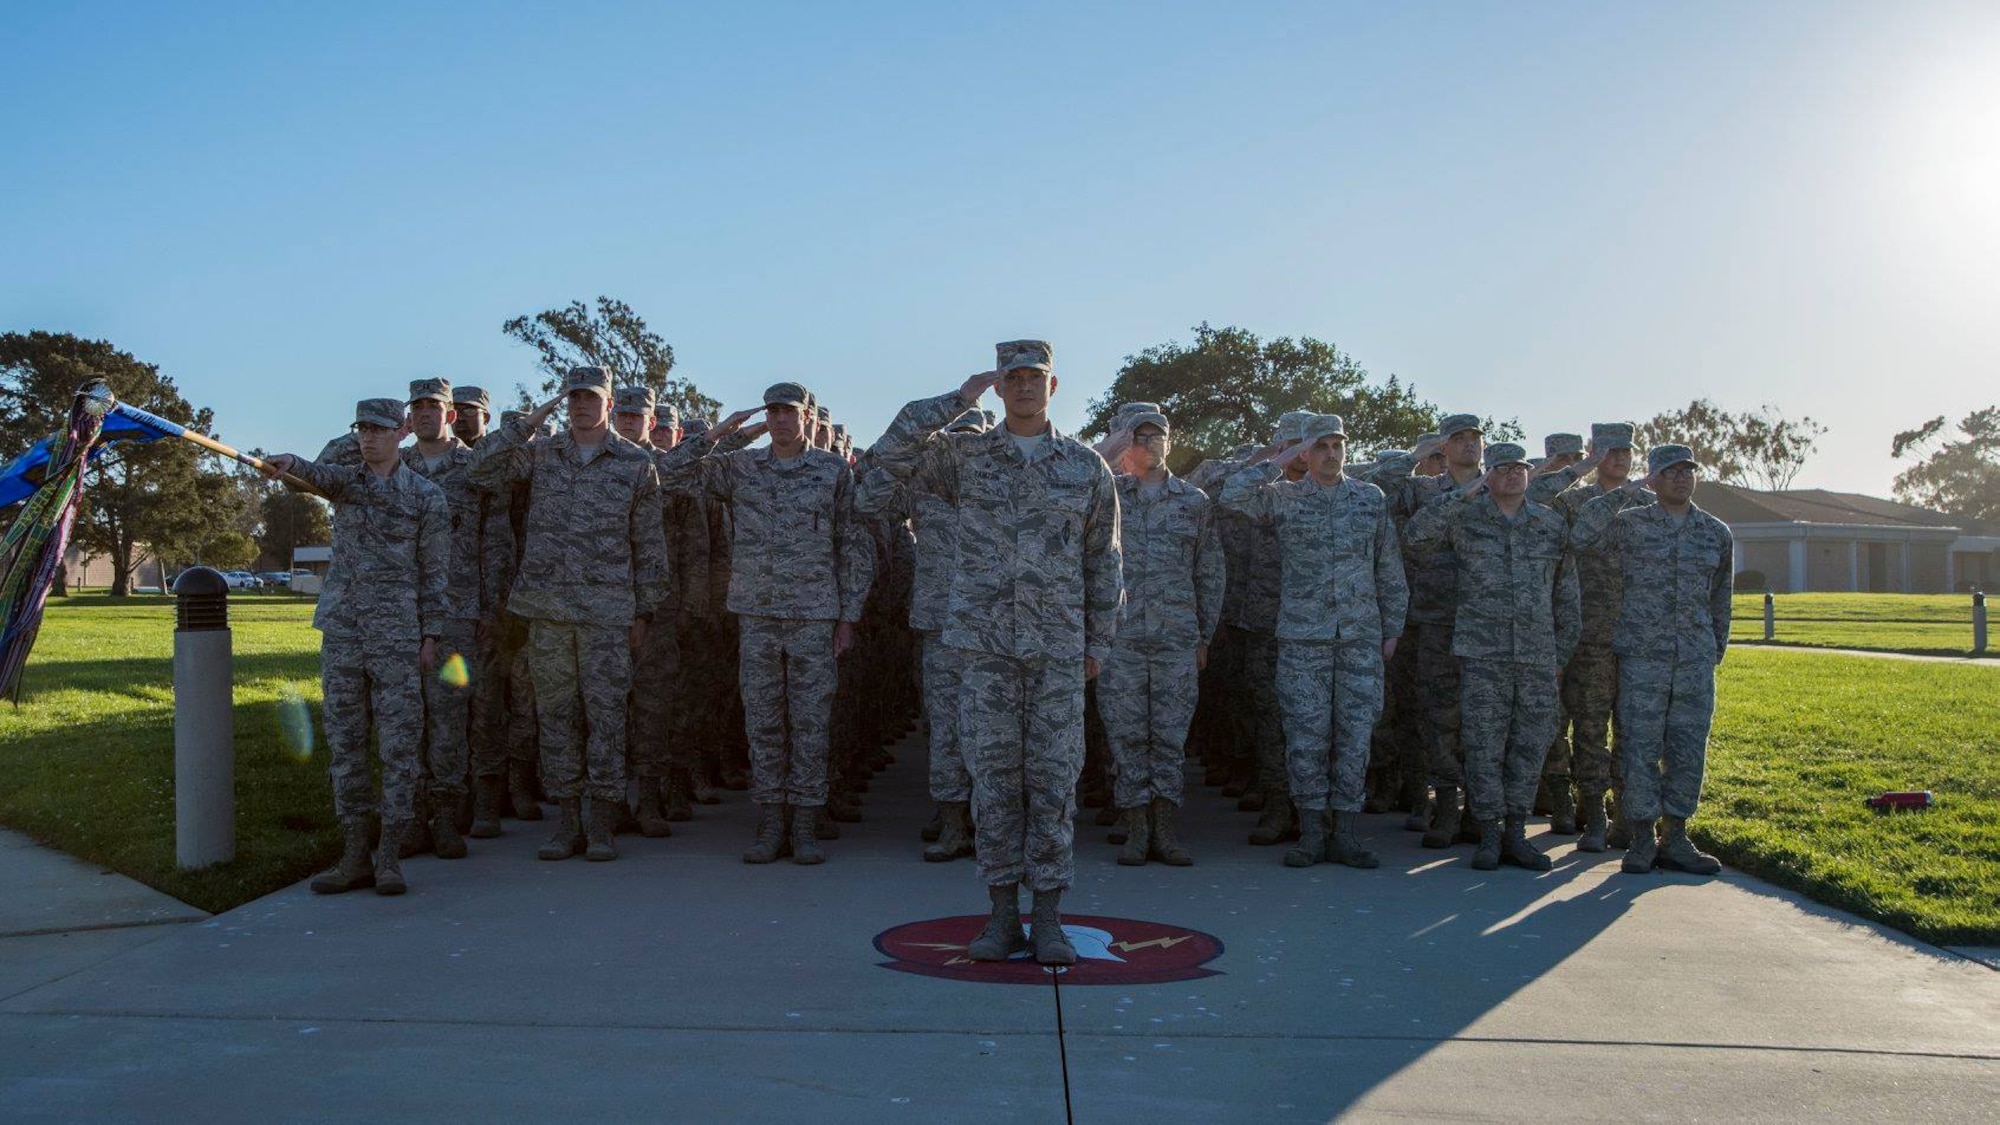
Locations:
column 86, row 764
column 1931, row 624
column 1801, row 739
column 87, row 759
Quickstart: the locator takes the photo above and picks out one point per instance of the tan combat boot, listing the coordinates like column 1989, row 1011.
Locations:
column 1311, row 847
column 652, row 821
column 954, row 833
column 1596, row 825
column 1003, row 936
column 1644, row 850
column 568, row 837
column 1515, row 848
column 1444, row 823
column 486, row 793
column 805, row 842
column 1486, row 857
column 1052, row 946
column 1167, row 846
column 521, row 790
column 1138, row 837
column 355, row 869
column 389, row 860
column 600, row 831
column 1344, row 845
column 1678, row 853
column 770, row 836
column 1275, row 824
column 446, row 841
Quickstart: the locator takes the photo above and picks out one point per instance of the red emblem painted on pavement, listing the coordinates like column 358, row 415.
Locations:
column 1108, row 951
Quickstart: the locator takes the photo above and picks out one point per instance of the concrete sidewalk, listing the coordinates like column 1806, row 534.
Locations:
column 679, row 984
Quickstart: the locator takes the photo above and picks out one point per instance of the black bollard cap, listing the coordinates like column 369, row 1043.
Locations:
column 202, row 600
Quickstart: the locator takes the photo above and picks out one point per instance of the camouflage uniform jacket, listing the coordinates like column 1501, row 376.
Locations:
column 391, row 554
column 1174, row 568
column 935, row 525
column 1342, row 567
column 1250, row 601
column 1517, row 597
column 797, row 549
column 1434, row 574
column 1037, row 571
column 1678, row 578
column 1596, row 572
column 481, row 536
column 594, row 551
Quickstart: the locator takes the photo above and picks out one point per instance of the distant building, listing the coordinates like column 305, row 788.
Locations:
column 1813, row 540
column 82, row 571
column 315, row 559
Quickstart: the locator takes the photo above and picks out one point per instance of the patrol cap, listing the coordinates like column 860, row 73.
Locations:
column 1291, row 425
column 694, row 424
column 1139, row 408
column 787, row 393
column 1422, row 438
column 472, row 396
column 1667, row 456
column 1015, row 354
column 1147, row 418
column 1459, row 423
column 1245, row 450
column 1504, row 453
column 667, row 414
column 839, row 431
column 384, row 412
column 588, row 378
column 1317, row 426
column 632, row 400
column 1559, row 445
column 825, row 415
column 1611, row 435
column 430, row 390
column 507, row 416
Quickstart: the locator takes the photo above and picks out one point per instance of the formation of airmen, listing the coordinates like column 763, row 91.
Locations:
column 629, row 612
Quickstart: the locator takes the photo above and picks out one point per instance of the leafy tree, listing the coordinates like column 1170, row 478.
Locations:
column 159, row 496
column 611, row 336
column 1959, row 475
column 1760, row 449
column 289, row 520
column 1228, row 387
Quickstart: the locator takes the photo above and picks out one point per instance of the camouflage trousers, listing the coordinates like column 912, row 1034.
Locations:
column 1556, row 760
column 581, row 674
column 524, row 736
column 1509, row 713
column 706, row 683
column 486, row 738
column 372, row 687
column 1259, row 724
column 448, row 718
column 649, row 711
column 949, row 779
column 1331, row 694
column 1398, row 743
column 1664, row 711
column 1438, row 708
column 1147, row 698
column 788, row 675
column 1589, row 694
column 1020, row 724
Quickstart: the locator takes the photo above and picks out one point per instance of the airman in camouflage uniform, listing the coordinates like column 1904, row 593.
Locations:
column 649, row 711
column 486, row 734
column 380, row 617
column 440, row 457
column 1434, row 576
column 1032, row 612
column 1677, row 563
column 802, row 568
column 1342, row 608
column 935, row 522
column 1174, row 577
column 1517, row 622
column 592, row 576
column 1590, row 679
column 1556, row 794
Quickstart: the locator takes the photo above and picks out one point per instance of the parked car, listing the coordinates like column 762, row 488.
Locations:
column 275, row 577
column 242, row 580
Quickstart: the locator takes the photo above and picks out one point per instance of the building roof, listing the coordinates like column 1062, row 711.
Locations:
column 1733, row 505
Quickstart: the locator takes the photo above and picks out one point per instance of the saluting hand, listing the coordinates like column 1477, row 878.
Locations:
column 734, row 422
column 541, row 413
column 976, row 385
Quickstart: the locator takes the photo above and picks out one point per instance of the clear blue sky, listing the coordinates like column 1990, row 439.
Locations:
column 1562, row 212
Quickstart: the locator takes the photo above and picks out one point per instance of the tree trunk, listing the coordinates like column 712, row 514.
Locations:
column 121, row 568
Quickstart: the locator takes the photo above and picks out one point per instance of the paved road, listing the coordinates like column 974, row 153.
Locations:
column 678, row 984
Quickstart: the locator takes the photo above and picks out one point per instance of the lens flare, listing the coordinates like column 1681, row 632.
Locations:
column 453, row 672
column 295, row 721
